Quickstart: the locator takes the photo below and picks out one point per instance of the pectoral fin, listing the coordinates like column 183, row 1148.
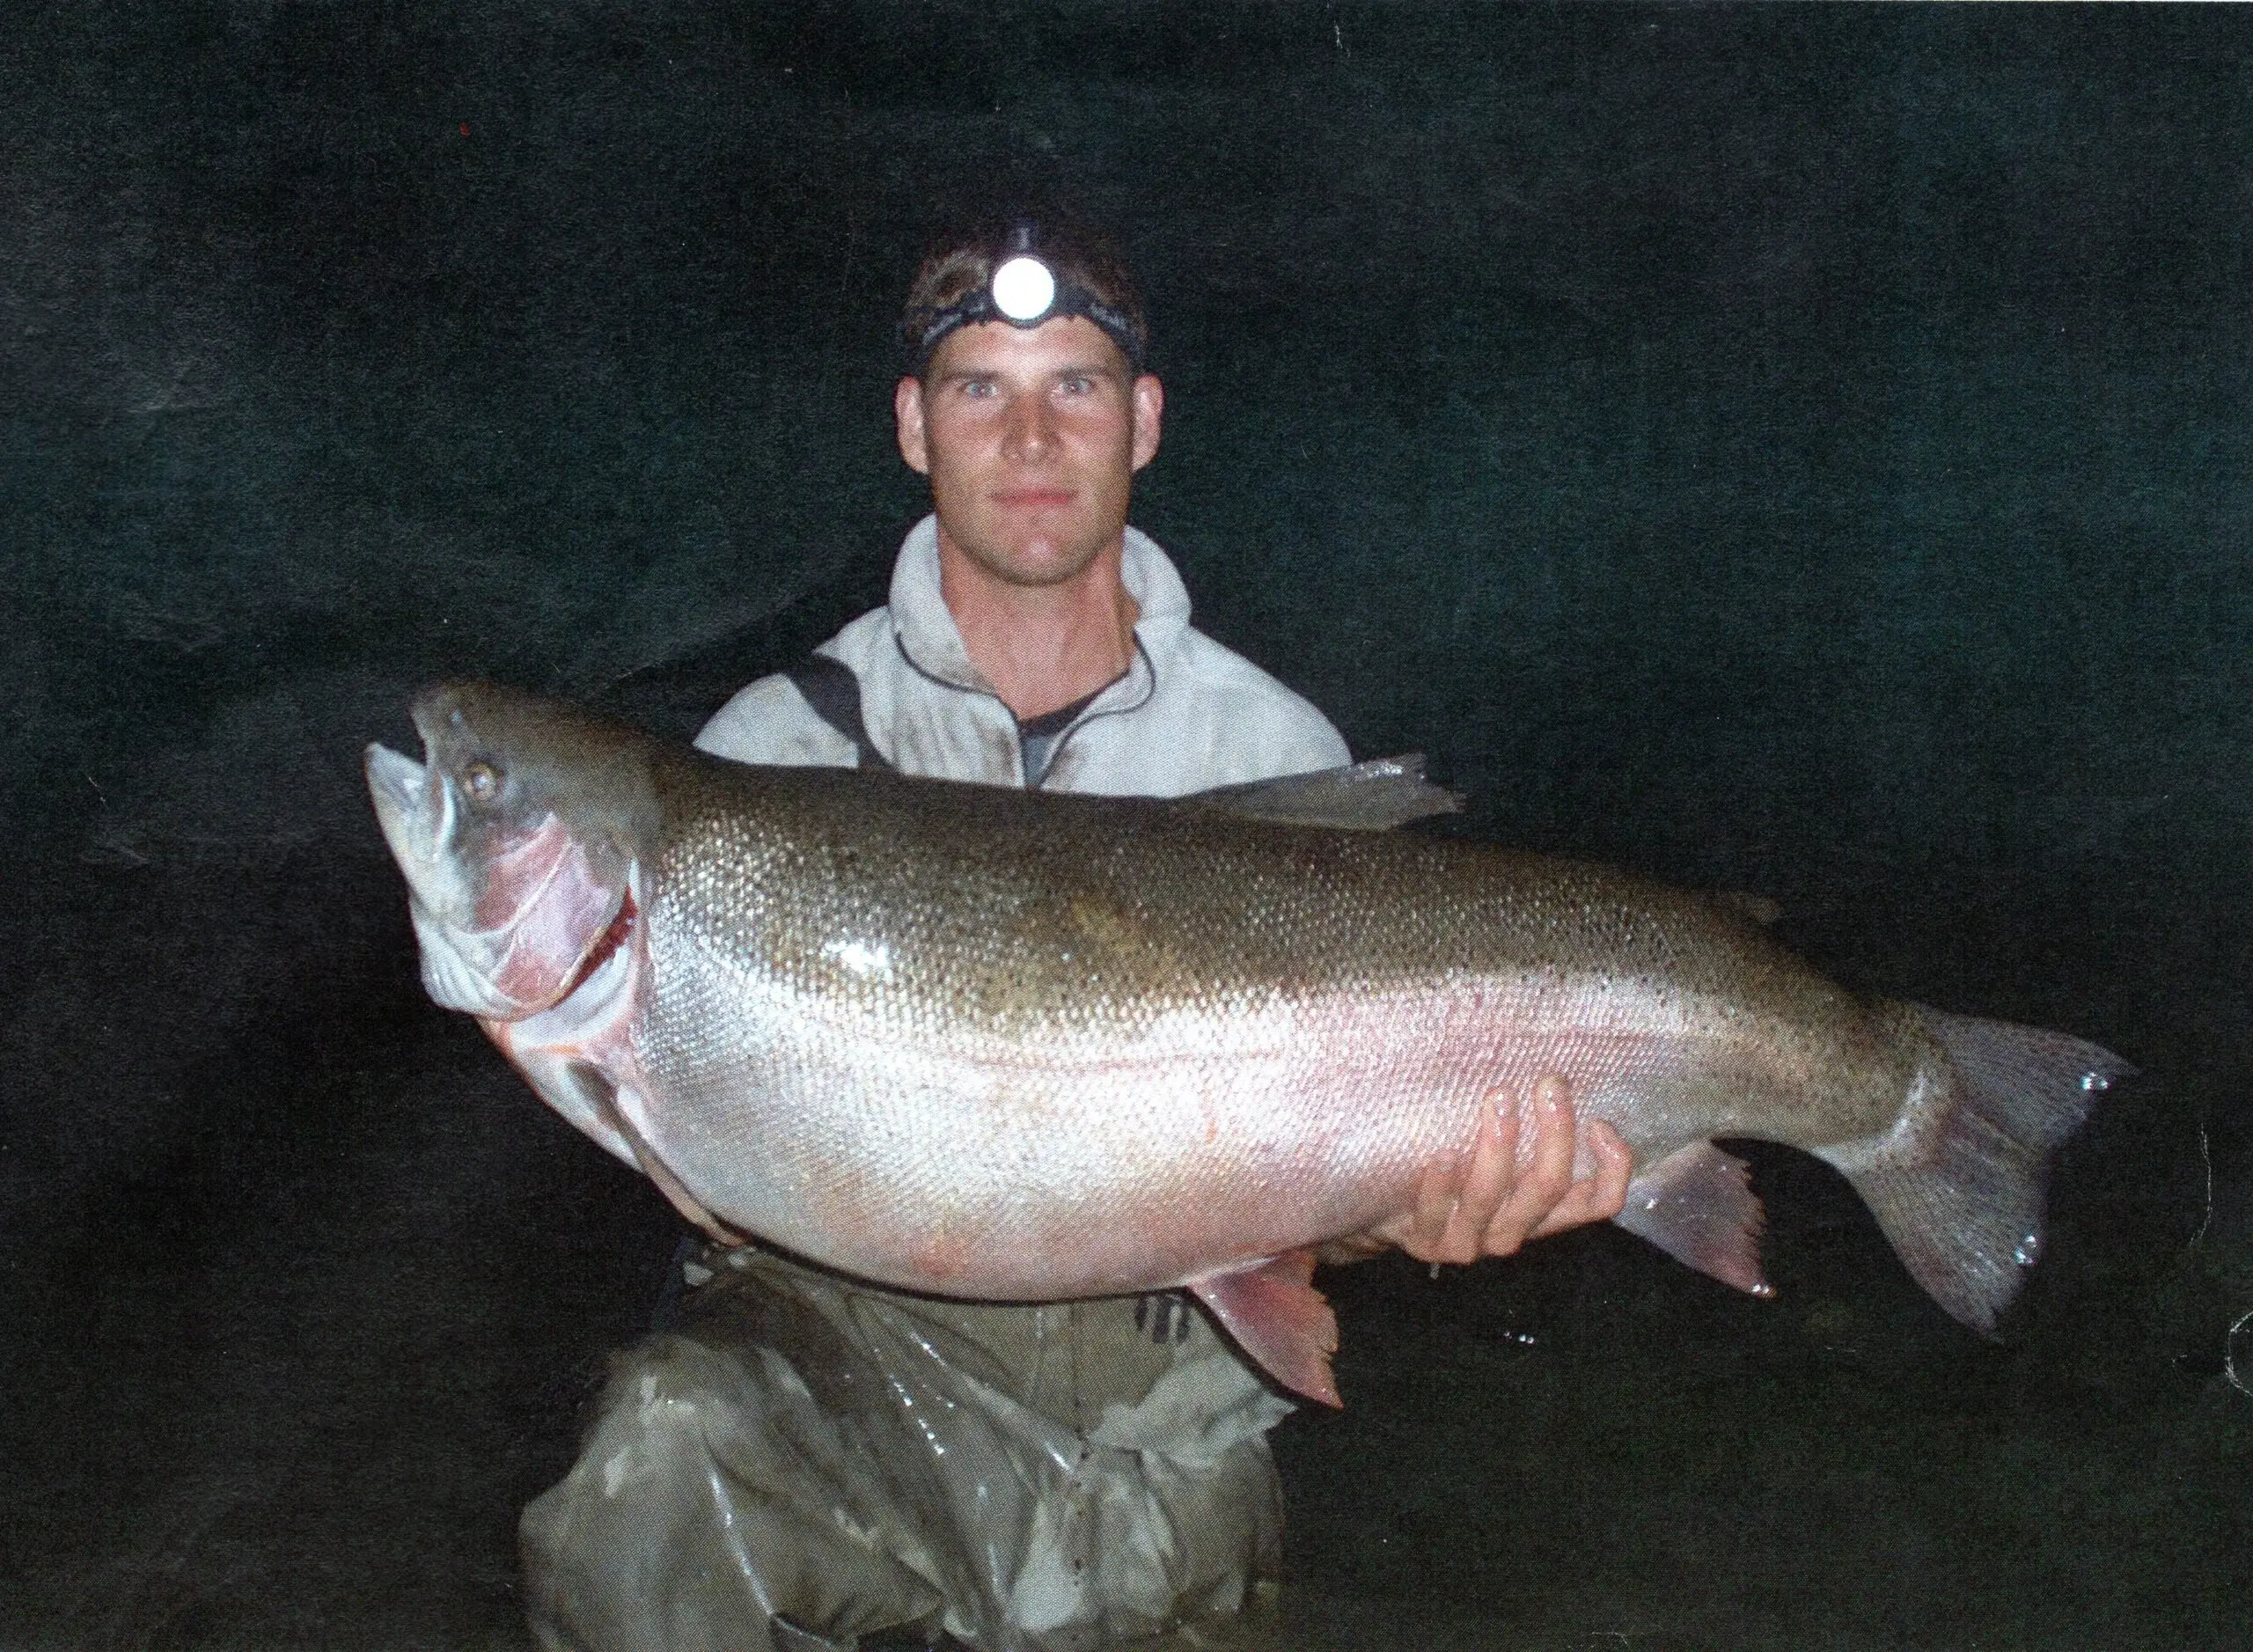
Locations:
column 1278, row 1319
column 602, row 1097
column 1697, row 1205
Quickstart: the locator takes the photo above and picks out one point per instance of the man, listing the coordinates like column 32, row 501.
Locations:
column 807, row 1460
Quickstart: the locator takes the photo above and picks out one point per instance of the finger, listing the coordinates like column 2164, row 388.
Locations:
column 1438, row 1196
column 1615, row 1168
column 1547, row 1178
column 1458, row 1194
column 1441, row 1230
column 1597, row 1197
column 1487, row 1179
column 1554, row 1138
column 1421, row 1230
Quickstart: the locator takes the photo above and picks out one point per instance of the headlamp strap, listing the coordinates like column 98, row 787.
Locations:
column 1025, row 291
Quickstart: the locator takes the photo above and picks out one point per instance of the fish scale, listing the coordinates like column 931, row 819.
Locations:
column 1013, row 1045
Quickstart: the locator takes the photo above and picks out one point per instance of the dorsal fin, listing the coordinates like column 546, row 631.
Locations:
column 1371, row 796
column 1745, row 903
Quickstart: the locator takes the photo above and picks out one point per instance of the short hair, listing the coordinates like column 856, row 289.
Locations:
column 958, row 263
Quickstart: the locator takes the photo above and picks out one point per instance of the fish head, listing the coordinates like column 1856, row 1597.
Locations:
column 520, row 836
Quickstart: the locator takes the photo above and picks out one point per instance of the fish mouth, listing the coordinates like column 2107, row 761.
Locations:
column 504, row 963
column 414, row 806
column 405, row 805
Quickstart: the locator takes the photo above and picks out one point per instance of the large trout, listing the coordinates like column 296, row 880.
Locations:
column 1013, row 1045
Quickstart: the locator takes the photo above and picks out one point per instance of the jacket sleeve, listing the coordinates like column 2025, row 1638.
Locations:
column 1286, row 736
column 1245, row 725
column 770, row 722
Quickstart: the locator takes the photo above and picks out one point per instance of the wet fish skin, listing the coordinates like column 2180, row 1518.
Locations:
column 1011, row 1045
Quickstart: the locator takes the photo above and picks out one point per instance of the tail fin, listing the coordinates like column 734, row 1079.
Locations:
column 1957, row 1185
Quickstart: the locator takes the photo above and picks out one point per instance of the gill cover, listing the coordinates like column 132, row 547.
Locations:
column 512, row 887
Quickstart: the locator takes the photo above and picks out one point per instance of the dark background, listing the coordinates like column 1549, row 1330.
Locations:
column 1797, row 450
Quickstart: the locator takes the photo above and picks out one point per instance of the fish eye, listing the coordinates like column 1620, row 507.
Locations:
column 482, row 781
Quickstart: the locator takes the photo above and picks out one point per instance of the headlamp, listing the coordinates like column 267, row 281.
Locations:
column 1025, row 291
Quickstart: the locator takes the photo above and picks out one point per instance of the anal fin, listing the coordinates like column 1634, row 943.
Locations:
column 1278, row 1319
column 1698, row 1206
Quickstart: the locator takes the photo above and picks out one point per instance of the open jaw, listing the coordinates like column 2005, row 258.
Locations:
column 415, row 821
column 507, row 927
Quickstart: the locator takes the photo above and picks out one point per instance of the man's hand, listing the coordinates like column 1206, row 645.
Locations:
column 1484, row 1203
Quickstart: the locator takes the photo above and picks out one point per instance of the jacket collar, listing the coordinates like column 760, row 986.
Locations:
column 933, row 645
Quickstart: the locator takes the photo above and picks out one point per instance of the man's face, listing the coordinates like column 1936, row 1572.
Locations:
column 1031, row 436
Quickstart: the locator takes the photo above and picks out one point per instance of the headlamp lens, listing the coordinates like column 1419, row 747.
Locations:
column 1024, row 288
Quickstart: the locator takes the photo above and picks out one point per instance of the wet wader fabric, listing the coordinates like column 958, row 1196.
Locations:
column 807, row 1460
